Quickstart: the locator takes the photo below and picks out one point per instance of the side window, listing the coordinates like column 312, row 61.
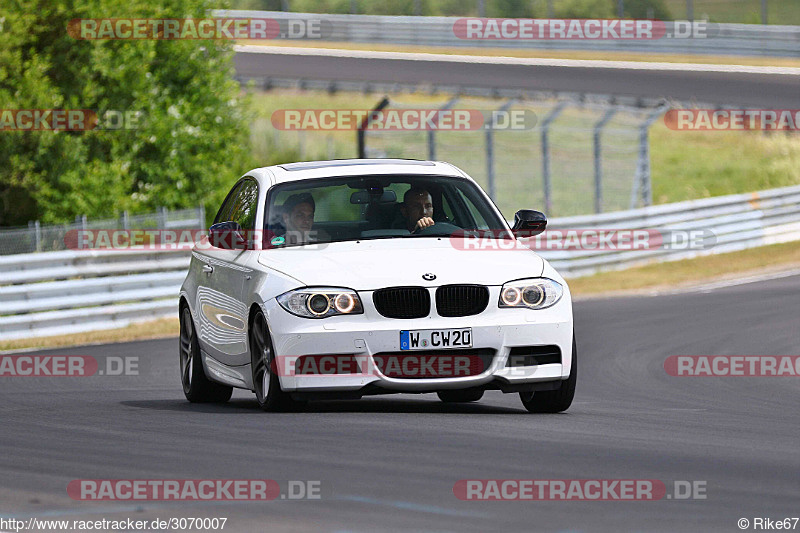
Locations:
column 246, row 205
column 477, row 220
column 225, row 211
column 448, row 211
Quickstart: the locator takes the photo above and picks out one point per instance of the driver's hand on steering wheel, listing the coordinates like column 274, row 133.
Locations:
column 424, row 222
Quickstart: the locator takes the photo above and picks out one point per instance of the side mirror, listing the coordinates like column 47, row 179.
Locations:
column 528, row 223
column 227, row 236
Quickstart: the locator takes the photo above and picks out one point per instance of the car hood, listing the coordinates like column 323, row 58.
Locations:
column 372, row 264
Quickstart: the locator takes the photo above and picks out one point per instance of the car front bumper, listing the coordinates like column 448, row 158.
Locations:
column 368, row 334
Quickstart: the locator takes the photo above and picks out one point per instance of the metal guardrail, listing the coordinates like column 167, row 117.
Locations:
column 72, row 291
column 56, row 293
column 38, row 237
column 737, row 222
column 720, row 39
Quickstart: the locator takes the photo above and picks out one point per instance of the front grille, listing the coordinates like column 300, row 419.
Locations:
column 461, row 300
column 402, row 302
column 434, row 364
column 534, row 355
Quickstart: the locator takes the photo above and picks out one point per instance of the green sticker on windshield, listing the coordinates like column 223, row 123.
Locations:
column 277, row 241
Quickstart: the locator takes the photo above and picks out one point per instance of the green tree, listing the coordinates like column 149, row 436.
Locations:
column 573, row 9
column 510, row 8
column 191, row 140
column 641, row 9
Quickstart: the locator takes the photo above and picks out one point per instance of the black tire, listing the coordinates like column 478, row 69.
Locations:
column 554, row 401
column 196, row 386
column 460, row 396
column 266, row 383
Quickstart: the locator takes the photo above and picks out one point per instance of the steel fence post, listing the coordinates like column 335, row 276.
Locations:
column 361, row 138
column 546, row 152
column 598, row 159
column 301, row 144
column 37, row 235
column 642, row 185
column 431, row 133
column 489, row 129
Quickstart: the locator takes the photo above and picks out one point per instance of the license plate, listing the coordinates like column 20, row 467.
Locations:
column 431, row 339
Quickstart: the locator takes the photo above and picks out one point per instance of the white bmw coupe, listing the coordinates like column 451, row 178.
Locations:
column 339, row 279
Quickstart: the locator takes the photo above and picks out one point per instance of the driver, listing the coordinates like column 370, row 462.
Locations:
column 298, row 218
column 417, row 209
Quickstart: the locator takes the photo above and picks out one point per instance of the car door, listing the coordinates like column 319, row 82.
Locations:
column 220, row 295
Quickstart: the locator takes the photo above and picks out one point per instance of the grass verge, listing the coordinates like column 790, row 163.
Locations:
column 155, row 329
column 689, row 272
column 738, row 11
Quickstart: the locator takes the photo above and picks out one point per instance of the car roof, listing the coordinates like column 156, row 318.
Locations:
column 354, row 167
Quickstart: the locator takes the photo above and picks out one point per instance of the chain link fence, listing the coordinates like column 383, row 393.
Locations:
column 570, row 158
column 49, row 238
column 741, row 11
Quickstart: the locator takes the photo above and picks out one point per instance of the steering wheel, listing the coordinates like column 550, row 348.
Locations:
column 438, row 228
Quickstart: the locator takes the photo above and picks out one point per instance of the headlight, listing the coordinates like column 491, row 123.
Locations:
column 537, row 293
column 321, row 302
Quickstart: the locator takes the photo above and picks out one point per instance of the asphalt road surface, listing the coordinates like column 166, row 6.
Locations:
column 770, row 91
column 390, row 463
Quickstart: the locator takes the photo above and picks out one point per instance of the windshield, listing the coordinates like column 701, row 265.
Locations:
column 376, row 207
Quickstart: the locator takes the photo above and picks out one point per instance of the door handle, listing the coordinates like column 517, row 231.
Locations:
column 208, row 269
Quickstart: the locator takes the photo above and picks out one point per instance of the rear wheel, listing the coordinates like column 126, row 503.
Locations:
column 266, row 383
column 554, row 401
column 460, row 396
column 196, row 386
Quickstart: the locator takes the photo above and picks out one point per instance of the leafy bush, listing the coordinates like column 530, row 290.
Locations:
column 640, row 9
column 192, row 135
column 575, row 9
column 469, row 8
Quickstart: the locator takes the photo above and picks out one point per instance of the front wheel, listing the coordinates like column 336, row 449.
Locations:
column 554, row 401
column 266, row 383
column 196, row 386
